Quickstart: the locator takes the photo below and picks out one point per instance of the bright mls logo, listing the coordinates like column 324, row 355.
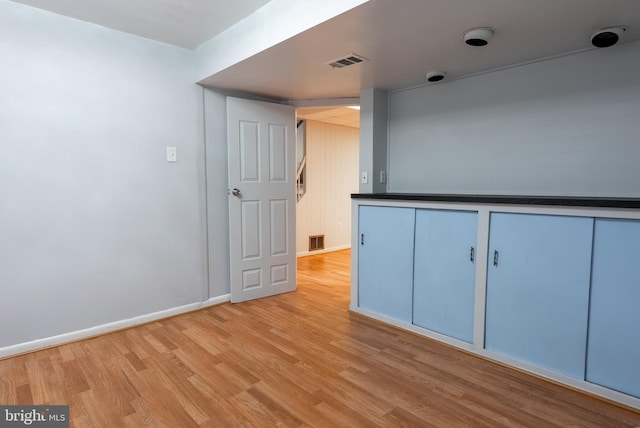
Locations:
column 34, row 416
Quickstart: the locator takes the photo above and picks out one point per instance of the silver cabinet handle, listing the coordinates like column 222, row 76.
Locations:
column 472, row 255
column 235, row 192
column 362, row 239
column 495, row 258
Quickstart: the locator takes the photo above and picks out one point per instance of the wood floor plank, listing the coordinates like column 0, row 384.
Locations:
column 23, row 394
column 359, row 399
column 135, row 420
column 36, row 377
column 156, row 397
column 299, row 407
column 257, row 414
column 219, row 409
column 186, row 395
column 299, row 359
column 339, row 412
column 400, row 418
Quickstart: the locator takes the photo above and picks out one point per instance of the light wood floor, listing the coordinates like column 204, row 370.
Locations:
column 299, row 359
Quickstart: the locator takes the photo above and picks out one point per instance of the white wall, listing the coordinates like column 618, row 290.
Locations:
column 274, row 23
column 332, row 176
column 567, row 126
column 95, row 225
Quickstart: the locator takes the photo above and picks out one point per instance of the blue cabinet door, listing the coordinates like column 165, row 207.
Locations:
column 613, row 356
column 385, row 260
column 538, row 290
column 444, row 272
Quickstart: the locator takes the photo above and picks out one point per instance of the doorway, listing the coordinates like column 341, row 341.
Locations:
column 214, row 170
column 328, row 164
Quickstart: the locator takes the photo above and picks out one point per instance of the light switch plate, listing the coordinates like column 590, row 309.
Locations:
column 172, row 154
column 365, row 177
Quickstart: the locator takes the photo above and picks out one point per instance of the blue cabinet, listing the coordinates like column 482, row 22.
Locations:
column 538, row 290
column 613, row 356
column 385, row 260
column 444, row 272
column 562, row 292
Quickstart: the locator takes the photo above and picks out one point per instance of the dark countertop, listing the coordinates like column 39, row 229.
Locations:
column 566, row 201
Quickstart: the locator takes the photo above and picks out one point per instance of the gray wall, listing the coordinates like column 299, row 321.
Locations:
column 567, row 126
column 95, row 225
column 373, row 139
column 215, row 108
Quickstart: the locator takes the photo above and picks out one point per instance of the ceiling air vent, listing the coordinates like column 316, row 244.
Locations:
column 346, row 61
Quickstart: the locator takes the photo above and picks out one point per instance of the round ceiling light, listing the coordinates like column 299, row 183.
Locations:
column 478, row 36
column 606, row 37
column 435, row 76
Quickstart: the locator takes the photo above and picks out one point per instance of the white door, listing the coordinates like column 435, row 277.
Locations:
column 261, row 142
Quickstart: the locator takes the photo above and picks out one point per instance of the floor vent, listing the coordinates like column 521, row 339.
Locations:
column 346, row 61
column 316, row 242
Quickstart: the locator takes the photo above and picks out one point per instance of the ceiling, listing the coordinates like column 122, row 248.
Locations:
column 402, row 39
column 339, row 115
column 184, row 23
column 405, row 39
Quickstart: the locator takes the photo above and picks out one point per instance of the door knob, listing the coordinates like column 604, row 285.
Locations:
column 236, row 192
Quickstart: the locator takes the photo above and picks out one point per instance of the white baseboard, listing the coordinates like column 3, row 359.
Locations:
column 557, row 378
column 74, row 336
column 326, row 250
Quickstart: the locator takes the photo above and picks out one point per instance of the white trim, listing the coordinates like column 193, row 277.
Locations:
column 215, row 301
column 415, row 329
column 326, row 250
column 74, row 336
column 563, row 380
column 482, row 254
column 325, row 102
column 355, row 248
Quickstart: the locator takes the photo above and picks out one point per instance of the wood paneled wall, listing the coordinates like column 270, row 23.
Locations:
column 332, row 175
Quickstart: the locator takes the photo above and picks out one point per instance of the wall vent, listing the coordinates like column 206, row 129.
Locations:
column 316, row 242
column 346, row 61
